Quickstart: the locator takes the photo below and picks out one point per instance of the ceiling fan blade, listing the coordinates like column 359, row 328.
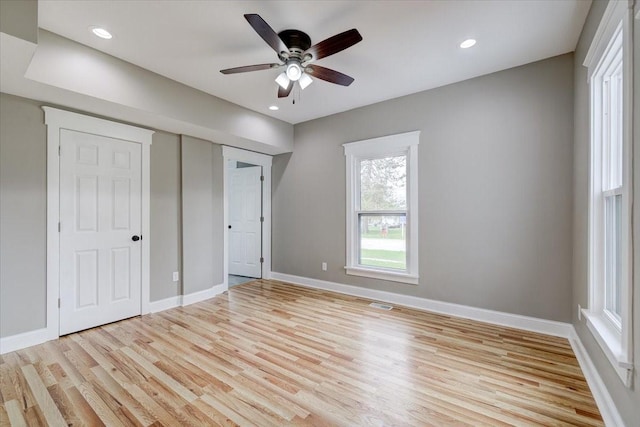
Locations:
column 334, row 44
column 266, row 32
column 247, row 68
column 329, row 75
column 283, row 93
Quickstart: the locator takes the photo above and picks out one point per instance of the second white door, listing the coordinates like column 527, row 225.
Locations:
column 245, row 227
column 100, row 246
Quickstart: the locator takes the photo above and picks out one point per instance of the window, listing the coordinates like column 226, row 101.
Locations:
column 609, row 312
column 382, row 207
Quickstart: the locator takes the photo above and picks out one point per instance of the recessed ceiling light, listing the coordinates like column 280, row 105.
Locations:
column 467, row 43
column 101, row 32
column 274, row 108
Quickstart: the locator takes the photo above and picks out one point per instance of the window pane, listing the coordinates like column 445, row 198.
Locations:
column 616, row 129
column 383, row 183
column 613, row 251
column 383, row 241
column 612, row 127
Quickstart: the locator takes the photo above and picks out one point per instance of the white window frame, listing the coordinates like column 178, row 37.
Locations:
column 612, row 334
column 386, row 146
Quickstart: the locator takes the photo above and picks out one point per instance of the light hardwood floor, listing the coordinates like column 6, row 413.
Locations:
column 273, row 354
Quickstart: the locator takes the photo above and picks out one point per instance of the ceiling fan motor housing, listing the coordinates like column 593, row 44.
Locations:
column 297, row 41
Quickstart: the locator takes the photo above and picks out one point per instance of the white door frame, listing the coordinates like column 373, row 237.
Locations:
column 56, row 120
column 231, row 153
column 247, row 183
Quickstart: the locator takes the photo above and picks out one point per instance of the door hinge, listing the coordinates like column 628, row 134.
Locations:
column 261, row 219
column 261, row 259
column 59, row 150
column 59, row 227
column 261, row 177
column 58, row 302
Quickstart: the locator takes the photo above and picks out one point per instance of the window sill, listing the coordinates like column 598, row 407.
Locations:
column 610, row 342
column 382, row 275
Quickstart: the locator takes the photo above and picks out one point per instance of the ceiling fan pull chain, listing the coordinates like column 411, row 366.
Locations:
column 297, row 94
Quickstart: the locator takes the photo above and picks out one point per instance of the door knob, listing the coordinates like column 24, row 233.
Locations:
column 229, row 227
column 135, row 238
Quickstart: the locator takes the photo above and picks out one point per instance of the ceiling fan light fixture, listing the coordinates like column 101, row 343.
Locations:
column 283, row 80
column 305, row 81
column 294, row 70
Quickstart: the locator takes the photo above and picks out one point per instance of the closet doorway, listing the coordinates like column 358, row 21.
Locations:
column 247, row 215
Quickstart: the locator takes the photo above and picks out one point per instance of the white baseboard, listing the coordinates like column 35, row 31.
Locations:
column 601, row 395
column 603, row 399
column 39, row 336
column 203, row 295
column 26, row 339
column 184, row 300
column 534, row 324
column 165, row 304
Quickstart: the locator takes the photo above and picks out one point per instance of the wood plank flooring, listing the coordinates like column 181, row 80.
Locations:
column 273, row 354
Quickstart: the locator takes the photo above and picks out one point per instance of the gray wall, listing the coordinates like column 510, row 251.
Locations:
column 23, row 197
column 166, row 215
column 23, row 215
column 19, row 18
column 495, row 173
column 626, row 400
column 202, row 211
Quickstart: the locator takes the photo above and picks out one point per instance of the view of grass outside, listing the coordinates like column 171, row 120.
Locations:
column 383, row 247
column 382, row 258
column 382, row 217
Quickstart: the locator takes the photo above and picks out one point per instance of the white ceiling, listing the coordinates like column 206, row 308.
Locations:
column 407, row 47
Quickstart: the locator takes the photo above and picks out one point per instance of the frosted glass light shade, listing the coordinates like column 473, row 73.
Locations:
column 305, row 81
column 294, row 71
column 283, row 80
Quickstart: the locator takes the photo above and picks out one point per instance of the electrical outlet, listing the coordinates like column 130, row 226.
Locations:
column 324, row 266
column 176, row 276
column 579, row 312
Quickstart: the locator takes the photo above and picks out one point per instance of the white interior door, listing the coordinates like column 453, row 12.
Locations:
column 245, row 210
column 100, row 213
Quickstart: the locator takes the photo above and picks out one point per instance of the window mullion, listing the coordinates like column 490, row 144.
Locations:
column 612, row 192
column 382, row 212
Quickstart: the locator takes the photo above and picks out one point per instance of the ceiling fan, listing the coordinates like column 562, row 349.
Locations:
column 297, row 55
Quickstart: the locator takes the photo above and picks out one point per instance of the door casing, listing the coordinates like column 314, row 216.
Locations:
column 250, row 179
column 231, row 153
column 57, row 119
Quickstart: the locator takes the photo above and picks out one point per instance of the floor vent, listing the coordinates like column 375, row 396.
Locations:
column 381, row 306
